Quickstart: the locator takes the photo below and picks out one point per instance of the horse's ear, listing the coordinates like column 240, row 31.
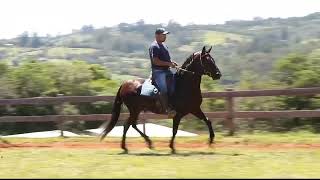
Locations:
column 203, row 50
column 209, row 50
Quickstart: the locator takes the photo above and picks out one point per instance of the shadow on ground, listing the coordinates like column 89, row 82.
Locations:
column 193, row 153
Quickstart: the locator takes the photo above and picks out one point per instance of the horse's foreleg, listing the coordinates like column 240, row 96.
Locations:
column 199, row 114
column 125, row 129
column 176, row 122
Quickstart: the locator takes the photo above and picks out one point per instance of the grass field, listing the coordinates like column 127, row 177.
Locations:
column 256, row 155
column 62, row 52
column 216, row 37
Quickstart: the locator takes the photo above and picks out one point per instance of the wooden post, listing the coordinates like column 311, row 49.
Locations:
column 251, row 125
column 230, row 110
column 144, row 126
column 60, row 112
column 60, row 126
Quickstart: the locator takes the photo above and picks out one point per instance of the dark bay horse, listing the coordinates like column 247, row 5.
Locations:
column 186, row 98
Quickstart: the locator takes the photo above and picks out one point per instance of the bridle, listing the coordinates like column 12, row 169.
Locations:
column 195, row 73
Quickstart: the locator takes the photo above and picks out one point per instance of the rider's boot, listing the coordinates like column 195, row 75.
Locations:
column 165, row 104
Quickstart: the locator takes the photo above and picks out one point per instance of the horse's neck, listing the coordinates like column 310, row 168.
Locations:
column 191, row 82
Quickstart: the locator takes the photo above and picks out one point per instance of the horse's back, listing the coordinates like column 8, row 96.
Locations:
column 131, row 87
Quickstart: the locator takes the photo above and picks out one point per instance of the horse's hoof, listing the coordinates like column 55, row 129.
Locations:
column 173, row 151
column 151, row 147
column 125, row 151
column 210, row 141
column 211, row 144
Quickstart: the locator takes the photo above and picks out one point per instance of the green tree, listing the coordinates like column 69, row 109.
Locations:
column 31, row 79
column 296, row 70
column 24, row 39
column 87, row 28
column 6, row 86
column 284, row 33
column 35, row 41
column 70, row 78
column 3, row 68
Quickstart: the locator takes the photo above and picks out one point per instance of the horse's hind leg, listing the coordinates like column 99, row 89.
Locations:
column 125, row 129
column 146, row 138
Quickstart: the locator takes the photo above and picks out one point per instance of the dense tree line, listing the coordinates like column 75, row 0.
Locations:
column 50, row 79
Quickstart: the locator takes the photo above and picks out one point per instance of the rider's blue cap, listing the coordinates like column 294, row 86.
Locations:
column 161, row 31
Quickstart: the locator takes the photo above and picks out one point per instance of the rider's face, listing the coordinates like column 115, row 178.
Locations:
column 161, row 37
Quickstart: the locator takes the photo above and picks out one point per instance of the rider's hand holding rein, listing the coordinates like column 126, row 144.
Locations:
column 173, row 64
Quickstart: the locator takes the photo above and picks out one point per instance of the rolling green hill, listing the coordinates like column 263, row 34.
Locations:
column 238, row 46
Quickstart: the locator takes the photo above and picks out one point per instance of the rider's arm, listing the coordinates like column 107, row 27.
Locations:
column 158, row 62
column 155, row 51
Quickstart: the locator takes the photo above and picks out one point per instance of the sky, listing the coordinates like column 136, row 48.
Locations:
column 62, row 16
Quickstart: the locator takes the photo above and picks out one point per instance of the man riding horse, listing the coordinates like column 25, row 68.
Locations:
column 186, row 97
column 160, row 64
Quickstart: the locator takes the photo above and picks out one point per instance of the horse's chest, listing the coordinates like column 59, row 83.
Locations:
column 192, row 101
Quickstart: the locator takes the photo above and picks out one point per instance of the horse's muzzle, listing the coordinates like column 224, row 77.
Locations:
column 216, row 76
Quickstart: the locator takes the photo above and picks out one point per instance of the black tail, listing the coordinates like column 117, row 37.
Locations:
column 115, row 115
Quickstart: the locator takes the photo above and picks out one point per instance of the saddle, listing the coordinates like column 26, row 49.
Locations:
column 150, row 87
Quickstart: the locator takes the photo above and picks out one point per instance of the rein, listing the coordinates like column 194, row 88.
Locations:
column 193, row 73
column 181, row 69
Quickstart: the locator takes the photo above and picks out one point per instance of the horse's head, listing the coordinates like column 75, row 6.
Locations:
column 203, row 63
